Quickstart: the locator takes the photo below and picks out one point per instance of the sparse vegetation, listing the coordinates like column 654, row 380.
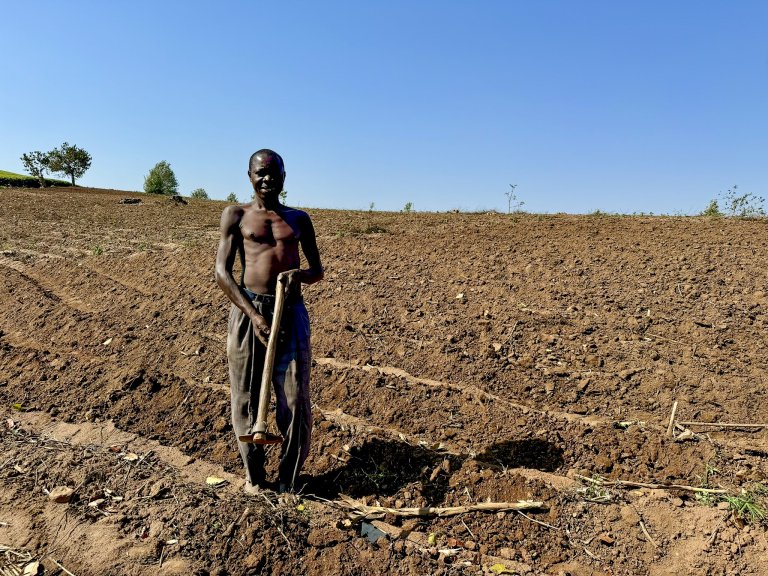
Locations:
column 408, row 207
column 199, row 194
column 283, row 196
column 595, row 491
column 736, row 205
column 232, row 198
column 513, row 204
column 746, row 506
column 743, row 205
column 97, row 250
column 161, row 180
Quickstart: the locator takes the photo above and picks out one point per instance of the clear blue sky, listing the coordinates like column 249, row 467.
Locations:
column 652, row 106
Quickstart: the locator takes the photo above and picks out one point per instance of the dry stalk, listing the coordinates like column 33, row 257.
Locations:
column 360, row 511
column 630, row 484
column 723, row 425
column 671, row 426
column 645, row 531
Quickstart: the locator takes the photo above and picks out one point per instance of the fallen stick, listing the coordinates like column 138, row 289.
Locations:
column 62, row 568
column 364, row 512
column 671, row 426
column 723, row 424
column 645, row 531
column 630, row 484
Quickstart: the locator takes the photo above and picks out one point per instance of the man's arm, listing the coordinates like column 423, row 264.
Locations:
column 229, row 242
column 314, row 271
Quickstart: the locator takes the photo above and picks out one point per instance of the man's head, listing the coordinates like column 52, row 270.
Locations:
column 267, row 173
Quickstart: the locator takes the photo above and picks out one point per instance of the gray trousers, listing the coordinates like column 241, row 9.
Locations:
column 290, row 382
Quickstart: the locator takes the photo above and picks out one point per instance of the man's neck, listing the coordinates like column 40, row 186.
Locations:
column 263, row 205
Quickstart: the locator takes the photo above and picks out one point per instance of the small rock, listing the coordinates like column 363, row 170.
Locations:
column 628, row 373
column 61, row 494
column 677, row 502
column 630, row 515
column 606, row 539
column 33, row 569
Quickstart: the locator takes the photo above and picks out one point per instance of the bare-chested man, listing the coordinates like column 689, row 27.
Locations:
column 267, row 235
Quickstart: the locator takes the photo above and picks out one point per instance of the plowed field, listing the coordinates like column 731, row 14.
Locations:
column 459, row 359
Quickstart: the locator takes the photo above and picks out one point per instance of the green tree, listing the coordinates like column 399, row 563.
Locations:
column 37, row 164
column 69, row 160
column 232, row 197
column 161, row 180
column 199, row 193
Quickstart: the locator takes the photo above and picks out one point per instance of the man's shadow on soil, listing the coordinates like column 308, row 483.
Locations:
column 384, row 467
column 531, row 453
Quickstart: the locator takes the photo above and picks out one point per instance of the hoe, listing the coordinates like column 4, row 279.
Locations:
column 259, row 434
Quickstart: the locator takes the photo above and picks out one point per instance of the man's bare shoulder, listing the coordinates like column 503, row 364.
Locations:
column 232, row 215
column 294, row 214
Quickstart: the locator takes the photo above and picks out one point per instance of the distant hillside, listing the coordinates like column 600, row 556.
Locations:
column 25, row 181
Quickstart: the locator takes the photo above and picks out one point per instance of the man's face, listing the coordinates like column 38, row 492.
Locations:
column 267, row 176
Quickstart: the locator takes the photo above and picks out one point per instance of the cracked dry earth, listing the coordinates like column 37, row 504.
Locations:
column 459, row 359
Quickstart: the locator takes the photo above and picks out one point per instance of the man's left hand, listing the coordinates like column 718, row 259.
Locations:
column 292, row 279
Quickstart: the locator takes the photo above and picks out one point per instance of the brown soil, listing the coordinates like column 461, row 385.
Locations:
column 460, row 358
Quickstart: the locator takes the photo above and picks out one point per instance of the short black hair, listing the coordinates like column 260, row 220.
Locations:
column 265, row 152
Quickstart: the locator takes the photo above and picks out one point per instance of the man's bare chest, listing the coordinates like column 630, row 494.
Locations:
column 268, row 229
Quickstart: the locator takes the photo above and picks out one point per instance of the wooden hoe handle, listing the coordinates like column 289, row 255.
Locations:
column 260, row 428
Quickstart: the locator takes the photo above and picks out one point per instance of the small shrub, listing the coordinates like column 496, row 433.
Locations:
column 408, row 207
column 713, row 210
column 199, row 194
column 97, row 250
column 232, row 198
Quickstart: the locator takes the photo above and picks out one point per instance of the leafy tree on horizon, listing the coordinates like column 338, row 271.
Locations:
column 161, row 180
column 37, row 164
column 69, row 160
column 232, row 197
column 199, row 193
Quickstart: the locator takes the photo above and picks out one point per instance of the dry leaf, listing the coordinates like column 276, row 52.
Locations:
column 131, row 457
column 107, row 342
column 214, row 481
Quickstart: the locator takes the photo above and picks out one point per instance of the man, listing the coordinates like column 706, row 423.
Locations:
column 267, row 235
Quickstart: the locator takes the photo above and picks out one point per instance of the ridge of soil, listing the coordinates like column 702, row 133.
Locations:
column 459, row 358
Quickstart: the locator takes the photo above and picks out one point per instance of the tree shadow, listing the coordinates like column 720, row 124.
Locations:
column 529, row 453
column 382, row 468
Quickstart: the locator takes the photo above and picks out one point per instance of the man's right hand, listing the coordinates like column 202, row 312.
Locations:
column 260, row 327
